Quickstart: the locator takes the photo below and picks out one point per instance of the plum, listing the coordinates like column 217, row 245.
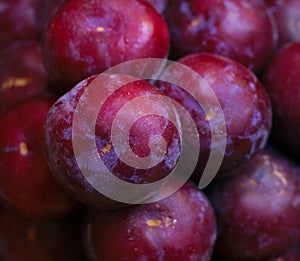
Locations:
column 26, row 183
column 179, row 227
column 91, row 36
column 287, row 18
column 258, row 210
column 238, row 29
column 282, row 81
column 22, row 73
column 244, row 102
column 72, row 166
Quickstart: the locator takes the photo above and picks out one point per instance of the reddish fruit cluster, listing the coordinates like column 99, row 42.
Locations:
column 101, row 153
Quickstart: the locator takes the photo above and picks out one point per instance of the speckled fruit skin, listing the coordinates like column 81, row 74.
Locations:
column 245, row 105
column 287, row 15
column 59, row 143
column 282, row 81
column 26, row 183
column 180, row 227
column 238, row 29
column 22, row 73
column 87, row 37
column 258, row 211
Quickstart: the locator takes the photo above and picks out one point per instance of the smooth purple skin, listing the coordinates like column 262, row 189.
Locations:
column 239, row 29
column 24, row 19
column 258, row 211
column 27, row 240
column 60, row 150
column 22, row 73
column 282, row 81
column 180, row 227
column 159, row 5
column 26, row 183
column 287, row 16
column 92, row 36
column 246, row 108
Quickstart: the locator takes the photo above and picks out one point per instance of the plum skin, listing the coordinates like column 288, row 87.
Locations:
column 179, row 227
column 281, row 80
column 239, row 29
column 22, row 73
column 245, row 104
column 258, row 210
column 26, row 183
column 59, row 142
column 92, row 36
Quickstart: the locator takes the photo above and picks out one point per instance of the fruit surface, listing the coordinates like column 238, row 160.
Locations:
column 26, row 183
column 91, row 36
column 180, row 227
column 244, row 103
column 258, row 211
column 59, row 134
column 238, row 29
column 282, row 81
column 22, row 73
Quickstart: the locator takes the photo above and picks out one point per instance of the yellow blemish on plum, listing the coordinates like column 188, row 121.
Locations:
column 210, row 115
column 100, row 29
column 153, row 222
column 23, row 148
column 279, row 175
column 195, row 22
column 14, row 82
column 106, row 148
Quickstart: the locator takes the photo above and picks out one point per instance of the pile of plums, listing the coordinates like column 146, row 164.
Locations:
column 93, row 140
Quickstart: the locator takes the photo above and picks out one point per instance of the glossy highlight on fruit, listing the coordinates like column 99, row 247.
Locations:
column 26, row 183
column 258, row 211
column 245, row 105
column 22, row 73
column 239, row 29
column 179, row 227
column 59, row 136
column 287, row 16
column 87, row 37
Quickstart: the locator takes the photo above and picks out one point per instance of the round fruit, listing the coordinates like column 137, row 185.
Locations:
column 287, row 18
column 112, row 92
column 91, row 36
column 26, row 183
column 22, row 73
column 258, row 211
column 244, row 102
column 282, row 81
column 180, row 227
column 238, row 29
